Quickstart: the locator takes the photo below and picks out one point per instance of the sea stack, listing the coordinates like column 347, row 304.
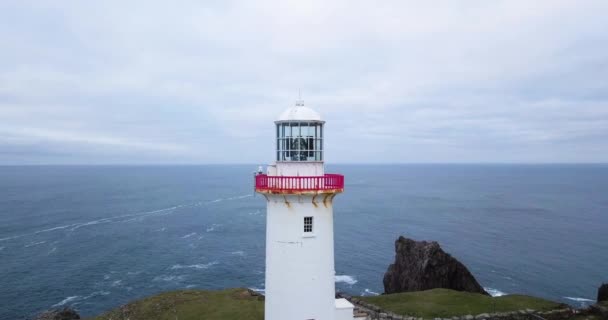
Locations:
column 422, row 265
column 602, row 293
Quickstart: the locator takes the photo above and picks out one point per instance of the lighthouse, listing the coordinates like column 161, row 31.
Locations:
column 300, row 274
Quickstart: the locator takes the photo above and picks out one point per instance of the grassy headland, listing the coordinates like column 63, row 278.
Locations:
column 230, row 304
column 448, row 303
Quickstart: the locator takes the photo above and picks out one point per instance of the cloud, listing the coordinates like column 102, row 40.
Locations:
column 200, row 82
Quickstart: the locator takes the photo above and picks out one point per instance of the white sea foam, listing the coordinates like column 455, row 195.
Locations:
column 368, row 292
column 345, row 279
column 577, row 299
column 13, row 237
column 55, row 228
column 237, row 253
column 116, row 283
column 190, row 286
column 161, row 229
column 52, row 250
column 494, row 292
column 66, row 300
column 34, row 244
column 258, row 290
column 195, row 266
column 189, row 235
column 216, row 200
column 96, row 293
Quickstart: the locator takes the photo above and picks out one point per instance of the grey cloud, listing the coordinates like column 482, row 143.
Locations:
column 194, row 82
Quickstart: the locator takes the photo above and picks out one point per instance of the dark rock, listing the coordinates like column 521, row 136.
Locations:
column 59, row 314
column 422, row 265
column 602, row 293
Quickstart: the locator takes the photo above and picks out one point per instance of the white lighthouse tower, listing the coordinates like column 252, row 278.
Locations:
column 299, row 194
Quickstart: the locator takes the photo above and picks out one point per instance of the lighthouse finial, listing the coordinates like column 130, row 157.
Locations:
column 300, row 102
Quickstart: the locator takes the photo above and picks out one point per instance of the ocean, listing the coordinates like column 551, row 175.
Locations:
column 96, row 237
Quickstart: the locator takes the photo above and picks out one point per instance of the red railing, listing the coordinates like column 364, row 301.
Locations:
column 296, row 184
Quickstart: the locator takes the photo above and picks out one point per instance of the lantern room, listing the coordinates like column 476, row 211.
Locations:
column 299, row 135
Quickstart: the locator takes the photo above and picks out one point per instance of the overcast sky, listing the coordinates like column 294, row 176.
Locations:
column 145, row 82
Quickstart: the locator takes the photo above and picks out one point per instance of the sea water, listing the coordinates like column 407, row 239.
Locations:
column 96, row 237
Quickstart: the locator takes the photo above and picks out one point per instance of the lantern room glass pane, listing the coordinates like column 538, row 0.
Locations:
column 299, row 141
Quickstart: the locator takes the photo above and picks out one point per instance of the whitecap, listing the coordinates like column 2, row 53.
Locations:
column 190, row 286
column 237, row 253
column 34, row 244
column 189, row 235
column 577, row 299
column 116, row 283
column 216, row 200
column 494, row 292
column 52, row 250
column 345, row 279
column 213, row 227
column 161, row 230
column 66, row 300
column 195, row 266
column 169, row 278
column 368, row 292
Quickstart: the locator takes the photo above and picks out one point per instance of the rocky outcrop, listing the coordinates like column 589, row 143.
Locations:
column 60, row 314
column 422, row 265
column 602, row 293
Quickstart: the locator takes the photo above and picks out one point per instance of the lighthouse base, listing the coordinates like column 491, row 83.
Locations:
column 344, row 310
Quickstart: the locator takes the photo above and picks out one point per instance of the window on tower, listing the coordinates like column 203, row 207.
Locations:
column 307, row 224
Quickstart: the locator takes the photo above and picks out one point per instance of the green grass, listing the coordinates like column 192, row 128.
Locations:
column 230, row 304
column 448, row 303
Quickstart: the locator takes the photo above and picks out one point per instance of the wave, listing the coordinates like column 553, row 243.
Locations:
column 66, row 300
column 2, row 248
column 195, row 266
column 117, row 283
column 34, row 244
column 189, row 235
column 345, row 279
column 368, row 292
column 577, row 299
column 494, row 292
column 258, row 290
column 237, row 253
column 77, row 298
column 97, row 293
column 52, row 250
